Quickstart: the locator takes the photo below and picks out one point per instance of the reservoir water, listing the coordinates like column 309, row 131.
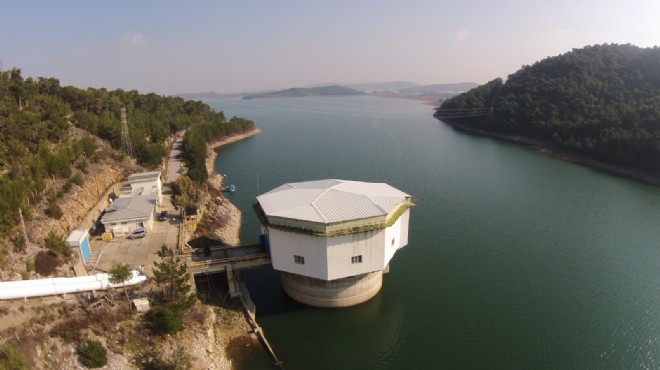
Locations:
column 515, row 260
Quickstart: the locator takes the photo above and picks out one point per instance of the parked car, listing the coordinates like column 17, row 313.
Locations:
column 163, row 216
column 138, row 233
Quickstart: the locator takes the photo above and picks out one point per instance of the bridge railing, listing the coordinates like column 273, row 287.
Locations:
column 201, row 265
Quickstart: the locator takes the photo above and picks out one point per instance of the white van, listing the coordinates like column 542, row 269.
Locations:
column 138, row 233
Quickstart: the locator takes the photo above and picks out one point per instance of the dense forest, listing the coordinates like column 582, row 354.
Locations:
column 198, row 136
column 600, row 101
column 36, row 119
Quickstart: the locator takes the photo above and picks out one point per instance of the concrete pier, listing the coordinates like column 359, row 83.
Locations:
column 334, row 293
column 250, row 313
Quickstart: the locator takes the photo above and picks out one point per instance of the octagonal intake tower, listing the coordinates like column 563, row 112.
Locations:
column 332, row 240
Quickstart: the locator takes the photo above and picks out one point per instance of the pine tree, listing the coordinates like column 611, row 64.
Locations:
column 172, row 276
column 187, row 193
column 120, row 273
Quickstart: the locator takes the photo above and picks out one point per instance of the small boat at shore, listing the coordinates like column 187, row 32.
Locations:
column 231, row 188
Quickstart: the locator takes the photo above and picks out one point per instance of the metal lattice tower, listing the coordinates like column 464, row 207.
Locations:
column 125, row 140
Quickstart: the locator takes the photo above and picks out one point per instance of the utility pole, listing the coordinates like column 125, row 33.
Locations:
column 125, row 139
column 20, row 215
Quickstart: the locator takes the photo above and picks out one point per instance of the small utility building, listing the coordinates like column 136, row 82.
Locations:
column 79, row 239
column 333, row 239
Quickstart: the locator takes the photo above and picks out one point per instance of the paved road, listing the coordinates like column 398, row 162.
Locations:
column 174, row 161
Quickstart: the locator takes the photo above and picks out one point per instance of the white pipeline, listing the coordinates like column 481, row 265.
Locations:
column 57, row 286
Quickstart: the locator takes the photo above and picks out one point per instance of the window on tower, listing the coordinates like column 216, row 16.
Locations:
column 299, row 259
column 356, row 259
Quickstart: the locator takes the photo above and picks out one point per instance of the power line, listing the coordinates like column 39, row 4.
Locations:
column 125, row 139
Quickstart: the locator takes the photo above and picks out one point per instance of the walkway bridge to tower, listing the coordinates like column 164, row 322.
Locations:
column 224, row 258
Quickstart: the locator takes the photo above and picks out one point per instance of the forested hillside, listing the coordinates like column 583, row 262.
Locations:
column 196, row 140
column 601, row 101
column 40, row 151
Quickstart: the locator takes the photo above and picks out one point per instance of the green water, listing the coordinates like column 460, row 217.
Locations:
column 515, row 260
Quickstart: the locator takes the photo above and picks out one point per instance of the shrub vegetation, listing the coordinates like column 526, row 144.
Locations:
column 46, row 262
column 10, row 359
column 92, row 354
column 164, row 320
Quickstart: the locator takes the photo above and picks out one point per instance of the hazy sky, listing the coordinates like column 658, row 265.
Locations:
column 237, row 46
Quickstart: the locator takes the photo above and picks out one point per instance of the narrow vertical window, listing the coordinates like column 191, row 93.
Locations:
column 356, row 259
column 299, row 259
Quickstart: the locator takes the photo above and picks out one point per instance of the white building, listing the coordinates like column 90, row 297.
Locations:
column 144, row 183
column 136, row 205
column 130, row 213
column 333, row 239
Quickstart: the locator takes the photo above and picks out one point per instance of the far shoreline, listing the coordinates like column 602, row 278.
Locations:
column 212, row 154
column 544, row 149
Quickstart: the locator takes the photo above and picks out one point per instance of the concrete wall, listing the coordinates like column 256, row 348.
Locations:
column 330, row 258
column 340, row 249
column 392, row 241
column 337, row 293
column 404, row 219
column 284, row 245
column 120, row 229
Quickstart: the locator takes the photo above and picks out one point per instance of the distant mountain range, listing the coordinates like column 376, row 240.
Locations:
column 392, row 88
column 411, row 87
column 296, row 92
column 209, row 95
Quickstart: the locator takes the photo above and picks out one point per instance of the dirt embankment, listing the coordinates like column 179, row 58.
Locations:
column 75, row 206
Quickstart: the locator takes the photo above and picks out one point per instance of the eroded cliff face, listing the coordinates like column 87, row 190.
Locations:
column 78, row 204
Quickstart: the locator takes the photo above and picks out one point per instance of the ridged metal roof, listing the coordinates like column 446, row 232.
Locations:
column 129, row 208
column 330, row 201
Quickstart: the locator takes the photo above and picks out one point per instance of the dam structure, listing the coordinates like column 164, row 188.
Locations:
column 332, row 240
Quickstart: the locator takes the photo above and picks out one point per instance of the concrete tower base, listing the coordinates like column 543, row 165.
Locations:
column 336, row 293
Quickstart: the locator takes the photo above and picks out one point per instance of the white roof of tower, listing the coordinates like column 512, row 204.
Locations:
column 330, row 201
